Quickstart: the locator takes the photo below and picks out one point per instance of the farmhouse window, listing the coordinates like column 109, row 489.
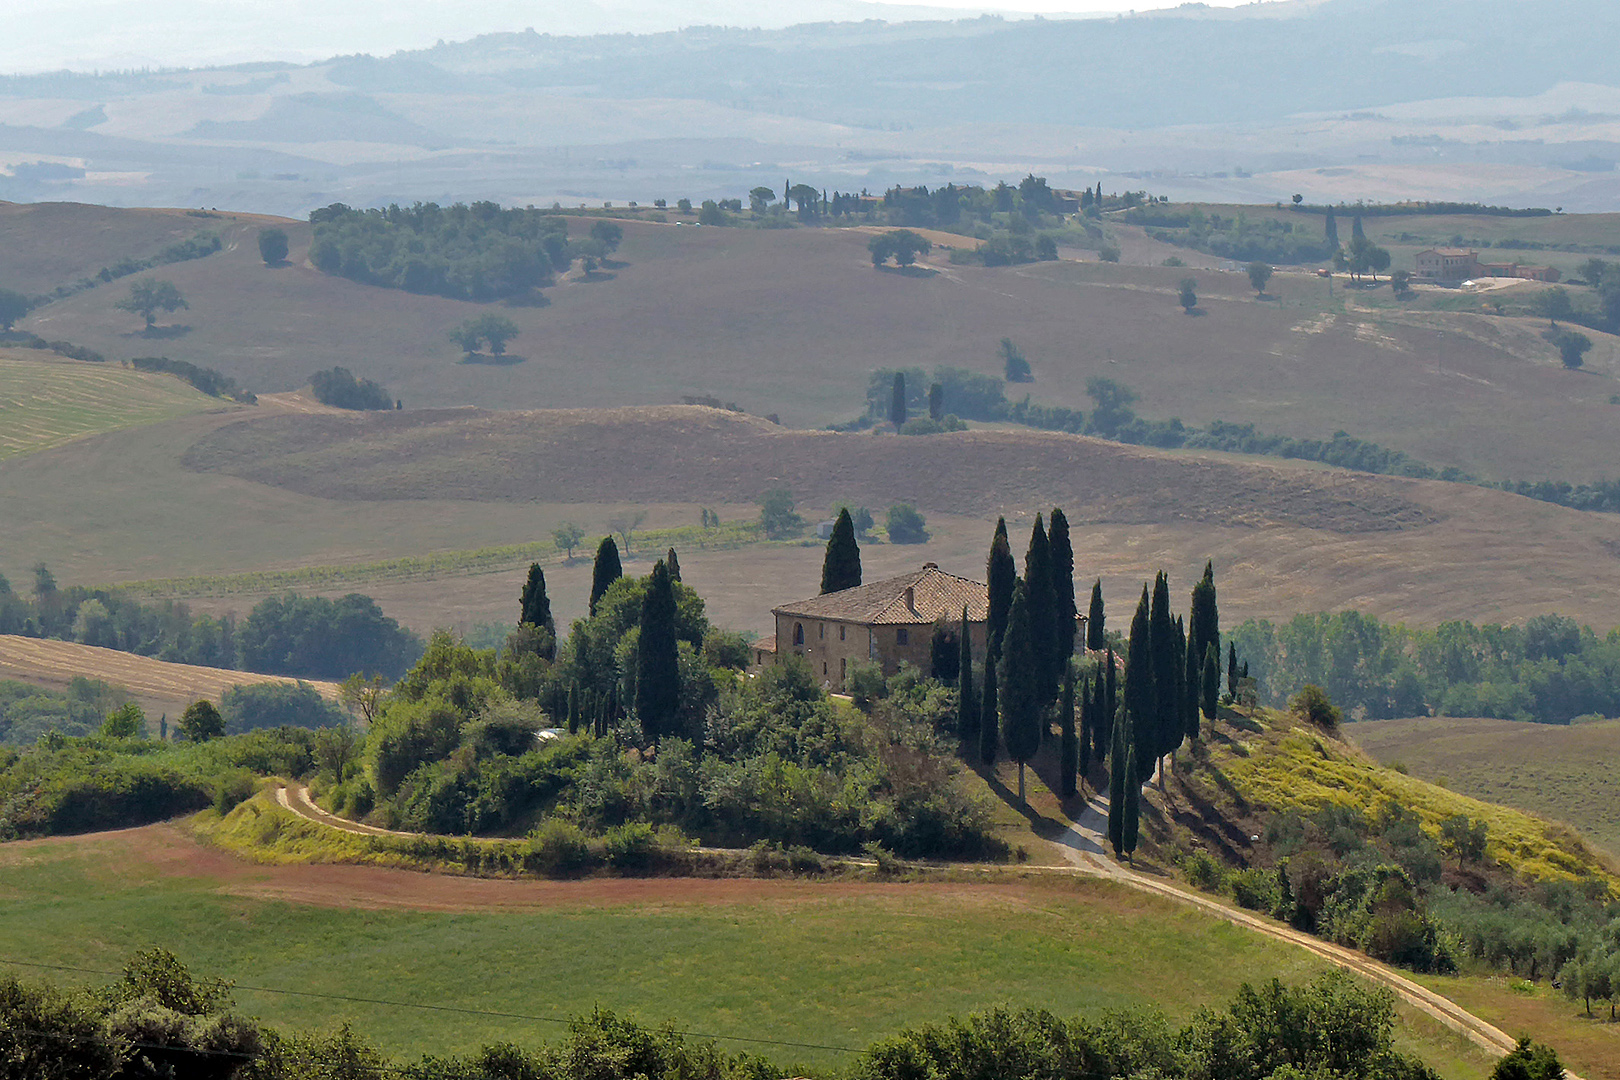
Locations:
column 798, row 633
column 843, row 669
column 840, row 632
column 902, row 636
column 821, row 631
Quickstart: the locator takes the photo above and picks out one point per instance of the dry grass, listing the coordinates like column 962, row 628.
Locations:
column 48, row 402
column 792, row 321
column 1565, row 773
column 154, row 683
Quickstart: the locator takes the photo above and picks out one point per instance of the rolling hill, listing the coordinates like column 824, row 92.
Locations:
column 792, row 322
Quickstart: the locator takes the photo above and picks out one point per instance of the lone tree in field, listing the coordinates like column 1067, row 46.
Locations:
column 201, row 722
column 905, row 525
column 13, row 306
column 776, row 514
column 1572, row 346
column 495, row 329
column 1259, row 276
column 606, row 571
column 936, row 402
column 901, row 245
column 1464, row 838
column 897, row 401
column 841, row 566
column 658, row 672
column 1188, row 296
column 273, row 246
column 1013, row 362
column 567, row 536
column 148, row 296
column 534, row 606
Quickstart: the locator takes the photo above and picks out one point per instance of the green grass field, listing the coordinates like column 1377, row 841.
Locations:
column 839, row 964
column 45, row 403
column 1565, row 773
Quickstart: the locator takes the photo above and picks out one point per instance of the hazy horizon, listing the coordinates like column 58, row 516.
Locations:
column 86, row 35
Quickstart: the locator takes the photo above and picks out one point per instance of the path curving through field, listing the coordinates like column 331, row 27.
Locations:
column 1085, row 844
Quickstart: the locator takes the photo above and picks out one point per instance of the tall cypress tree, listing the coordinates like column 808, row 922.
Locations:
column 936, row 402
column 897, row 400
column 841, row 566
column 1231, row 669
column 1087, row 734
column 573, row 708
column 1211, row 683
column 534, row 605
column 1117, row 757
column 967, row 706
column 1204, row 626
column 1069, row 745
column 1133, row 802
column 673, row 564
column 1102, row 732
column 1041, row 601
column 1139, row 687
column 658, row 671
column 1167, row 665
column 1191, row 688
column 1021, row 676
column 606, row 570
column 1356, row 232
column 1111, row 702
column 989, row 717
column 1057, row 535
column 1331, row 228
column 1095, row 619
column 1001, row 574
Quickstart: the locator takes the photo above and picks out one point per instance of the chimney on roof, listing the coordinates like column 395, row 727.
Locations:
column 930, row 566
column 911, row 599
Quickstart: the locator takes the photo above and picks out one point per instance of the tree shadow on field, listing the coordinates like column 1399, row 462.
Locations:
column 591, row 277
column 909, row 271
column 615, row 264
column 503, row 360
column 1044, row 827
column 534, row 298
column 160, row 333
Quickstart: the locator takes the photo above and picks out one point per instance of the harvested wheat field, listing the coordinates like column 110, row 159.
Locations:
column 154, row 683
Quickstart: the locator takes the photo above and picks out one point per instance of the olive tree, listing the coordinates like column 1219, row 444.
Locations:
column 148, row 296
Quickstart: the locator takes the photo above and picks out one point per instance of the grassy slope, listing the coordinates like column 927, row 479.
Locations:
column 792, row 321
column 1565, row 773
column 833, row 964
column 48, row 402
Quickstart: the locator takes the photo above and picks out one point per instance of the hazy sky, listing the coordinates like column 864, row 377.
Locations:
column 43, row 35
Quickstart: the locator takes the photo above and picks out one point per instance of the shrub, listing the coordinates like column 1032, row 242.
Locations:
column 1312, row 705
column 1203, row 872
column 629, row 846
column 340, row 389
column 1254, row 888
column 558, row 847
column 274, row 704
column 232, row 789
column 273, row 246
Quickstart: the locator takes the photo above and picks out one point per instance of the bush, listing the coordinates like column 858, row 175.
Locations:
column 1312, row 705
column 558, row 848
column 275, row 704
column 1203, row 872
column 273, row 246
column 340, row 389
column 233, row 789
column 1254, row 888
column 906, row 525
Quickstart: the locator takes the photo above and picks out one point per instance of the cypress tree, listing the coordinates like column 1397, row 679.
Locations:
column 1057, row 536
column 1204, row 628
column 573, row 708
column 936, row 402
column 1192, row 688
column 1139, row 688
column 1102, row 732
column 1117, row 754
column 1021, row 677
column 1231, row 669
column 1331, row 228
column 606, row 570
column 1211, row 683
column 1069, row 747
column 1001, row 573
column 897, row 400
column 1166, row 723
column 1041, row 601
column 658, row 672
column 673, row 564
column 534, row 605
column 1087, row 732
column 1095, row 619
column 1133, row 803
column 1355, row 228
column 989, row 717
column 841, row 566
column 967, row 706
column 944, row 654
column 1110, row 714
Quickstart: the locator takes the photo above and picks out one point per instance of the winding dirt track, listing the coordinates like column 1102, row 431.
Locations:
column 1084, row 844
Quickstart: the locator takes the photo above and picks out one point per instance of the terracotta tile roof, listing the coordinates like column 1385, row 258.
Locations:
column 765, row 644
column 933, row 595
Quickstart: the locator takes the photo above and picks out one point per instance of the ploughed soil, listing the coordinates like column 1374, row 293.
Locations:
column 701, row 455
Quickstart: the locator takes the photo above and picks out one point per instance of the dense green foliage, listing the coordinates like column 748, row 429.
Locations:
column 1549, row 669
column 273, row 246
column 317, row 636
column 28, row 712
column 160, row 1019
column 477, row 252
column 339, row 388
column 1235, row 237
column 207, row 380
column 273, row 704
column 841, row 565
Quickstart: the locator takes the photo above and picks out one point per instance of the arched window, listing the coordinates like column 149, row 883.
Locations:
column 798, row 633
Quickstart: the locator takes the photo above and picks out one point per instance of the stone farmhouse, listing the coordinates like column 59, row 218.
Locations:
column 1450, row 266
column 885, row 622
